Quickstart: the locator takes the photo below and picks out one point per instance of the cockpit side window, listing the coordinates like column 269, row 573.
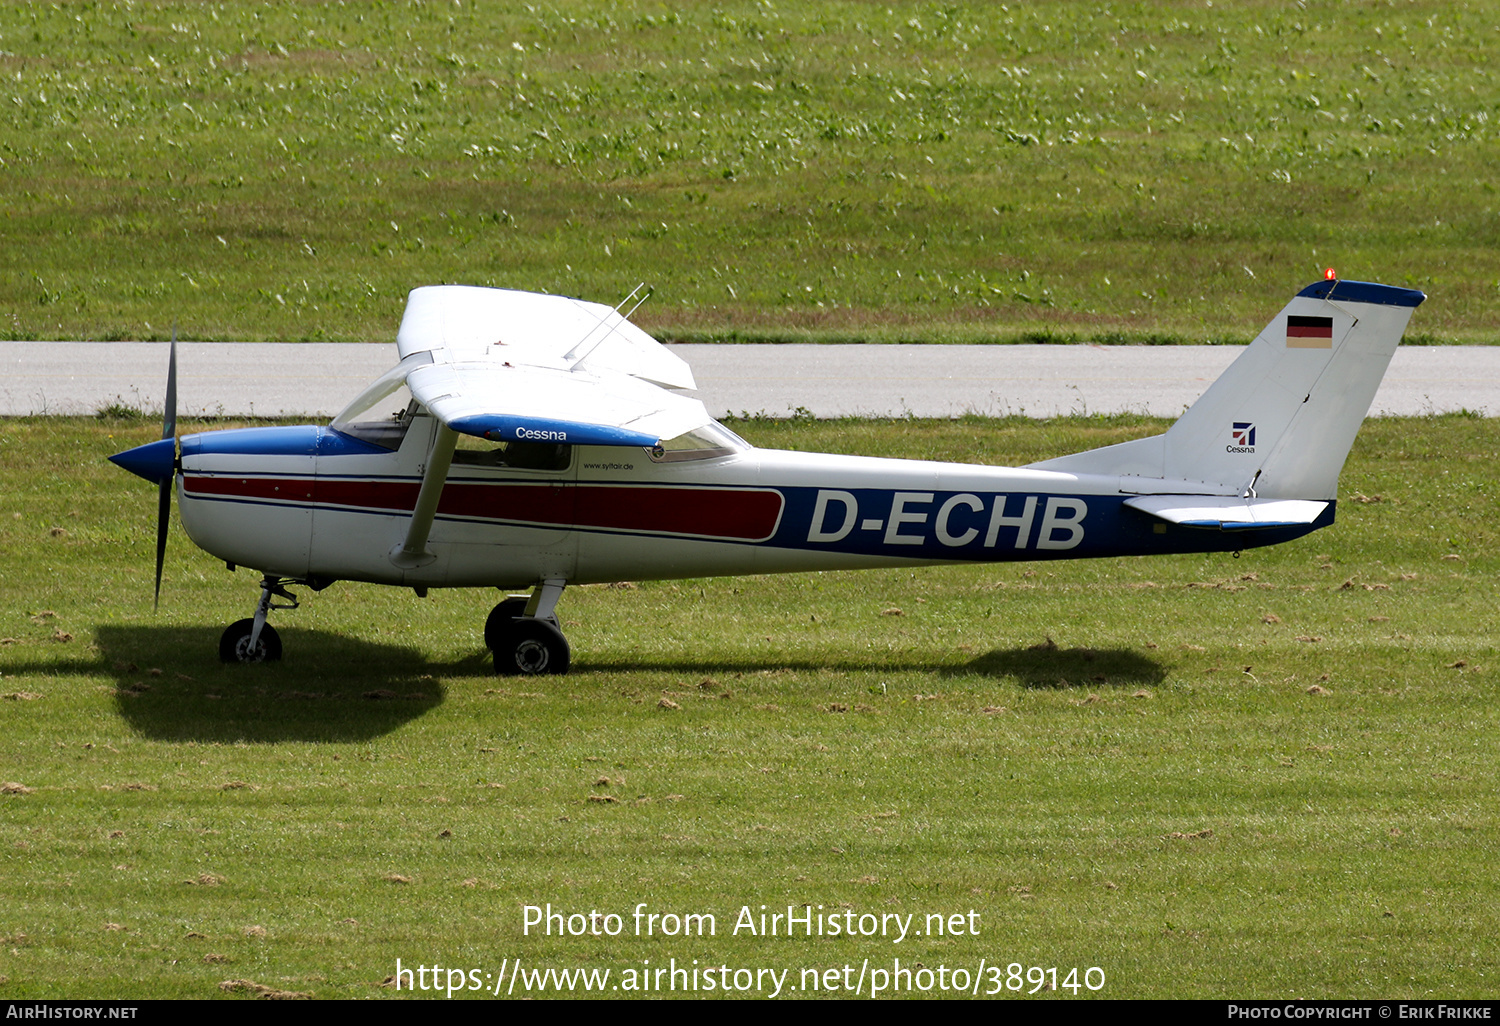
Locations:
column 478, row 452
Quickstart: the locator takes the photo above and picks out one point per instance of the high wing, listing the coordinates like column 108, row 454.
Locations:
column 522, row 367
column 517, row 366
column 460, row 323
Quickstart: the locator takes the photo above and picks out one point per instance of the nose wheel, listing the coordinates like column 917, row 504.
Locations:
column 523, row 634
column 236, row 645
column 253, row 640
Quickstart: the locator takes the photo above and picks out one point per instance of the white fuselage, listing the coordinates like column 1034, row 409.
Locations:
column 311, row 503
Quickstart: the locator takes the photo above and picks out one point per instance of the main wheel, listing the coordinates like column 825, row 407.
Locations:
column 501, row 617
column 234, row 646
column 530, row 647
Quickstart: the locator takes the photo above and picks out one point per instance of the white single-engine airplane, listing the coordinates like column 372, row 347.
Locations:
column 529, row 440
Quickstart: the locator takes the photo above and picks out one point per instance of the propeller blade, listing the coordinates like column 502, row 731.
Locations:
column 164, row 490
column 169, row 407
column 163, row 518
column 157, row 463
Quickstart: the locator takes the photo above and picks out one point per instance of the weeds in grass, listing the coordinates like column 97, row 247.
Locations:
column 121, row 410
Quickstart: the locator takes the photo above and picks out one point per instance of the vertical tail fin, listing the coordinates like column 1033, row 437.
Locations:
column 1280, row 421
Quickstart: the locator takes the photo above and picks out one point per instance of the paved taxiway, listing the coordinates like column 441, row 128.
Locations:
column 317, row 379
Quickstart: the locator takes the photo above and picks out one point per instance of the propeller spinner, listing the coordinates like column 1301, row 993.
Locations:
column 157, row 462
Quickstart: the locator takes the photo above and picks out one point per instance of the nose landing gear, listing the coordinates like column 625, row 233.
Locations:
column 253, row 640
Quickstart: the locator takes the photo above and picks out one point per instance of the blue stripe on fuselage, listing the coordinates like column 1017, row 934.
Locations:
column 983, row 526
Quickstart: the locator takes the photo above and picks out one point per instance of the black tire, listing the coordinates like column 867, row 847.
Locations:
column 528, row 648
column 234, row 646
column 501, row 617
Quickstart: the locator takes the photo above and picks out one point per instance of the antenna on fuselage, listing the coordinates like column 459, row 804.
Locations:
column 573, row 355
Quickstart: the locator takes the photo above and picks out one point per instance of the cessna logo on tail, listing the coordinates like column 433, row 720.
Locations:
column 1241, row 437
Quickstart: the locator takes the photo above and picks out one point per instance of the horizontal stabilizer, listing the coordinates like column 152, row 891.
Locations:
column 1227, row 512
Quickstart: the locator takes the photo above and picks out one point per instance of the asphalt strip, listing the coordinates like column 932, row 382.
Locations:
column 315, row 379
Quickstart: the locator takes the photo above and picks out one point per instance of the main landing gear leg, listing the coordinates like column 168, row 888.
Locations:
column 253, row 640
column 525, row 637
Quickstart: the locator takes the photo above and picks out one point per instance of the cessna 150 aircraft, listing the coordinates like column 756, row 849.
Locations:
column 537, row 441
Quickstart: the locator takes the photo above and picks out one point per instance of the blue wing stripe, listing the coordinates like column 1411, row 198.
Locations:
column 499, row 427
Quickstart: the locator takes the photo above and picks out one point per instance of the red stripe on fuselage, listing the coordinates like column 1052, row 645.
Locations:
column 277, row 489
column 743, row 513
column 740, row 513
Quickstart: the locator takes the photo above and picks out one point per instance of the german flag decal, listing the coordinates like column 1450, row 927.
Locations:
column 1309, row 332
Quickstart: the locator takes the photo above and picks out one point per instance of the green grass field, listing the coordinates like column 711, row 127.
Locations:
column 1269, row 776
column 1199, row 776
column 839, row 171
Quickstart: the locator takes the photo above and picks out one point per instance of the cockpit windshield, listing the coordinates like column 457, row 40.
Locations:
column 381, row 419
column 710, row 441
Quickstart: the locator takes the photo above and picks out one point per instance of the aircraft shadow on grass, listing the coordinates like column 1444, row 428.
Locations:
column 339, row 688
column 344, row 689
column 1048, row 666
column 1038, row 666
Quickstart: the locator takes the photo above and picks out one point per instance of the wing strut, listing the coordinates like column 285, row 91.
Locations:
column 573, row 355
column 412, row 552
